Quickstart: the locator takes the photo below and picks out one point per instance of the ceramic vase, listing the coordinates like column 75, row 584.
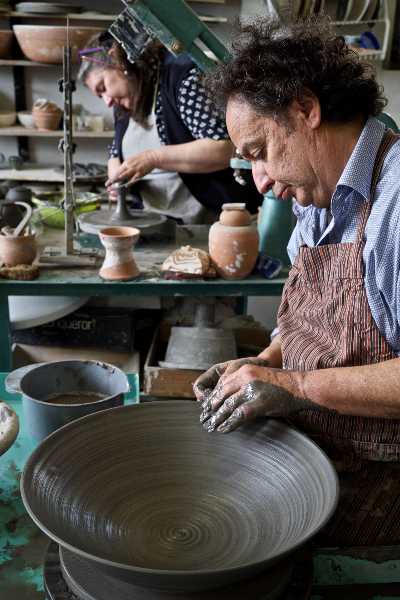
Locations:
column 119, row 263
column 19, row 250
column 233, row 242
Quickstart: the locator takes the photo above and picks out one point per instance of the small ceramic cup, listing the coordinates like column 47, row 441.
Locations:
column 119, row 263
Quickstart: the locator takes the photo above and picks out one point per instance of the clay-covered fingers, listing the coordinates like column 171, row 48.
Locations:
column 246, row 371
column 206, row 383
column 224, row 412
column 244, row 406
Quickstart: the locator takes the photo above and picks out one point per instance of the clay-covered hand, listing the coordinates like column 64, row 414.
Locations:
column 207, row 382
column 134, row 168
column 250, row 392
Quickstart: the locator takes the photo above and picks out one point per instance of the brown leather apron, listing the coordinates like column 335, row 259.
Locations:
column 325, row 321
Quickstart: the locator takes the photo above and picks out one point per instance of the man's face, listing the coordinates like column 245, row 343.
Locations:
column 281, row 155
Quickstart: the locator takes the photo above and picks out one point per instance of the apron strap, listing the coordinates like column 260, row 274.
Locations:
column 389, row 138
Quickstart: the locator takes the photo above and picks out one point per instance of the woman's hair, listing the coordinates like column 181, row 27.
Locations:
column 273, row 64
column 105, row 53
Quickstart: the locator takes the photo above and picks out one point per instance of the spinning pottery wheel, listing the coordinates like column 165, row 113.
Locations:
column 156, row 501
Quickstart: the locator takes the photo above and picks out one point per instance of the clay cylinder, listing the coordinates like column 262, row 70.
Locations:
column 19, row 250
column 119, row 263
column 233, row 242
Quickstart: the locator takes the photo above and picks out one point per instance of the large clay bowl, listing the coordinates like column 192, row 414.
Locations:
column 148, row 494
column 44, row 43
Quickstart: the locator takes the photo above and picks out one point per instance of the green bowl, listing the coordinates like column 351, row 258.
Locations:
column 53, row 216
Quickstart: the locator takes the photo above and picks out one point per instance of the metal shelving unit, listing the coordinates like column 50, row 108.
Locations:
column 19, row 64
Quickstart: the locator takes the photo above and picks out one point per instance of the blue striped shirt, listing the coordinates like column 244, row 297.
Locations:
column 381, row 254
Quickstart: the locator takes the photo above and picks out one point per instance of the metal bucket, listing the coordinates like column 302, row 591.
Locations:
column 56, row 393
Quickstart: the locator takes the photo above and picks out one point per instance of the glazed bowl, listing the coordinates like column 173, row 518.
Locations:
column 6, row 38
column 44, row 43
column 26, row 119
column 157, row 501
column 7, row 118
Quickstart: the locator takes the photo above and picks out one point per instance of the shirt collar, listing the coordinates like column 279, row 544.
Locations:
column 357, row 173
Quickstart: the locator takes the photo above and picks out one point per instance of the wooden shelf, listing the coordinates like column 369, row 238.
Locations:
column 19, row 62
column 24, row 132
column 99, row 17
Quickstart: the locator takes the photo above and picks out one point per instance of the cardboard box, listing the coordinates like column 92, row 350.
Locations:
column 95, row 327
column 178, row 383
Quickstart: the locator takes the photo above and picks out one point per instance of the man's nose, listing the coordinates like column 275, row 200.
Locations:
column 261, row 179
column 107, row 100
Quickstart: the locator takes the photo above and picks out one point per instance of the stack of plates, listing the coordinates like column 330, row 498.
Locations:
column 49, row 8
column 338, row 10
column 4, row 6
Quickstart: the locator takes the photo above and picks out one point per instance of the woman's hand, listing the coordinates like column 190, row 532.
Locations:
column 113, row 167
column 134, row 168
column 248, row 392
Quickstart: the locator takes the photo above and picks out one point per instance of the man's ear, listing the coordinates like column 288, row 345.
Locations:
column 308, row 109
column 112, row 52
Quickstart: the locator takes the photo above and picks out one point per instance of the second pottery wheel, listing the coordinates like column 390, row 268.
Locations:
column 95, row 221
column 121, row 216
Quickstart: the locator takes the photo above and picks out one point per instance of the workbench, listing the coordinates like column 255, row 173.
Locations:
column 149, row 257
column 354, row 574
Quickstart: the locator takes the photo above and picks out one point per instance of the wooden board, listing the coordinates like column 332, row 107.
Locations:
column 178, row 383
column 159, row 381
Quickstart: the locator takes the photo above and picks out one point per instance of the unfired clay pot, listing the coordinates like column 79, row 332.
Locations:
column 46, row 115
column 233, row 242
column 119, row 263
column 20, row 250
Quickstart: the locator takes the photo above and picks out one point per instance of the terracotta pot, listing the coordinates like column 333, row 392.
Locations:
column 47, row 121
column 19, row 250
column 233, row 242
column 6, row 38
column 44, row 43
column 119, row 263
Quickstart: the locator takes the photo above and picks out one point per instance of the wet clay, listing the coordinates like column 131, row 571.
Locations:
column 74, row 397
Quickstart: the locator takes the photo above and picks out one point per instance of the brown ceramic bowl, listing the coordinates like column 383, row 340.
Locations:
column 6, row 38
column 47, row 120
column 44, row 43
column 150, row 497
column 19, row 250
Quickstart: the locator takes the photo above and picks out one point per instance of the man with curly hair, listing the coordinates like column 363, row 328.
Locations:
column 303, row 107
